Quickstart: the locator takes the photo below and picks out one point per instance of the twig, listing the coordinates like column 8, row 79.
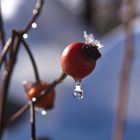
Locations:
column 10, row 70
column 2, row 33
column 30, row 56
column 8, row 47
column 32, row 121
column 17, row 114
column 13, row 54
column 36, row 13
column 4, row 51
column 6, row 84
column 49, row 89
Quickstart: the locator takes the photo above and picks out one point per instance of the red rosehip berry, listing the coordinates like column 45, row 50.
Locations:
column 79, row 59
column 33, row 90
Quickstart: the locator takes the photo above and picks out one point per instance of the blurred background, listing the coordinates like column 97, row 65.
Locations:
column 60, row 23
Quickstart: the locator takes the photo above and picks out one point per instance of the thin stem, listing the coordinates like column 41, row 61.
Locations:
column 6, row 84
column 7, row 47
column 9, row 73
column 5, row 50
column 50, row 88
column 11, row 49
column 32, row 121
column 32, row 60
column 30, row 56
column 18, row 114
column 13, row 55
column 36, row 13
column 26, row 106
column 2, row 33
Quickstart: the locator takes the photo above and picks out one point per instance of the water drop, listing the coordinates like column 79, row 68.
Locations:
column 78, row 91
column 43, row 112
column 34, row 11
column 33, row 99
column 34, row 25
column 25, row 36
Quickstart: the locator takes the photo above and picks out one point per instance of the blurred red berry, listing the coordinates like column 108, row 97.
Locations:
column 47, row 102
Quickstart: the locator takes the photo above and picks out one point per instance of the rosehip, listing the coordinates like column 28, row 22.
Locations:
column 33, row 90
column 79, row 59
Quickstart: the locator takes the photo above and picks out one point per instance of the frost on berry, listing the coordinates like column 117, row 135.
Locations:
column 90, row 39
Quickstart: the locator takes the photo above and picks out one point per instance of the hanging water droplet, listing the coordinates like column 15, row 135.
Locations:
column 34, row 25
column 33, row 99
column 25, row 36
column 35, row 11
column 43, row 112
column 78, row 91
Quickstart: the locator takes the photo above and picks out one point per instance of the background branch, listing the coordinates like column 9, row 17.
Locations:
column 128, row 12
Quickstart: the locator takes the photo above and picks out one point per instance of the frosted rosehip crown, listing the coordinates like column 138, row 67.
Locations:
column 89, row 38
